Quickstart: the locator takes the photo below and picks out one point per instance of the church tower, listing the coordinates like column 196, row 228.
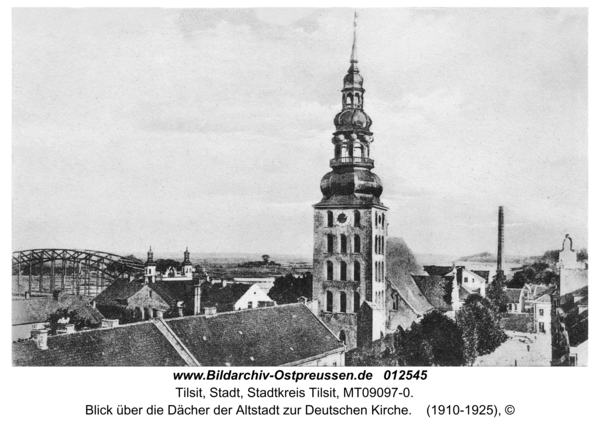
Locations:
column 350, row 226
column 150, row 270
column 186, row 266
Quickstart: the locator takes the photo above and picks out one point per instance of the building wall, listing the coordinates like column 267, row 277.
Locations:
column 253, row 295
column 367, row 287
column 541, row 317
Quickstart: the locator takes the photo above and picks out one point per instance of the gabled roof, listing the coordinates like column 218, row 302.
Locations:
column 483, row 274
column 401, row 265
column 39, row 309
column 174, row 291
column 278, row 335
column 513, row 295
column 129, row 345
column 119, row 291
column 225, row 297
column 436, row 290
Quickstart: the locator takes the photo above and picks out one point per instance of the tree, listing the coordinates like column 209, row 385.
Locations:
column 582, row 255
column 162, row 265
column 287, row 289
column 496, row 293
column 266, row 258
column 436, row 340
column 64, row 316
column 479, row 322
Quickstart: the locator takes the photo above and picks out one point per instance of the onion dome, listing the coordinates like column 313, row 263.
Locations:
column 351, row 186
column 352, row 119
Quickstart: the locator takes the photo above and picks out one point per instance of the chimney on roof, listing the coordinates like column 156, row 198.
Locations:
column 56, row 295
column 500, row 265
column 179, row 309
column 159, row 313
column 197, row 299
column 94, row 303
column 40, row 337
column 210, row 311
column 27, row 295
column 110, row 323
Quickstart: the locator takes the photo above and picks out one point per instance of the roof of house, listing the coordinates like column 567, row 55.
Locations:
column 129, row 345
column 119, row 291
column 226, row 296
column 256, row 337
column 174, row 291
column 572, row 280
column 513, row 295
column 436, row 290
column 39, row 309
column 401, row 265
column 463, row 293
column 483, row 274
column 438, row 270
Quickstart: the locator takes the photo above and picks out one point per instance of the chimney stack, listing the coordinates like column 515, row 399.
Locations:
column 210, row 311
column 197, row 299
column 500, row 265
column 27, row 295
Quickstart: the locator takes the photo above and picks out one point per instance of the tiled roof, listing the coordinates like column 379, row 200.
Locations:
column 401, row 265
column 225, row 297
column 174, row 291
column 463, row 293
column 119, row 291
column 38, row 309
column 483, row 274
column 513, row 295
column 436, row 290
column 268, row 336
column 140, row 344
column 438, row 270
column 575, row 321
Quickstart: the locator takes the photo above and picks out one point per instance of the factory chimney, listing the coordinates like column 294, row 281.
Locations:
column 500, row 266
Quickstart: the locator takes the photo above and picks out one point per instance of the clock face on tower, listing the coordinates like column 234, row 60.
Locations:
column 342, row 218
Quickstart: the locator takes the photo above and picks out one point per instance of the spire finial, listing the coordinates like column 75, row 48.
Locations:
column 354, row 57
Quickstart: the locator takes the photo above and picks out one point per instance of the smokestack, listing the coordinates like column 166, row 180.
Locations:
column 500, row 266
column 197, row 299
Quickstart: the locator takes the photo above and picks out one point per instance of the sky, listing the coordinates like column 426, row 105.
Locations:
column 212, row 128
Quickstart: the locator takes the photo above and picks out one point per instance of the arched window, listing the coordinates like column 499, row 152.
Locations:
column 383, row 218
column 330, row 241
column 349, row 100
column 329, row 302
column 342, row 301
column 343, row 244
column 343, row 270
column 329, row 218
column 356, row 270
column 357, row 98
column 343, row 336
column 376, row 271
column 395, row 301
column 357, row 244
column 356, row 301
column 329, row 270
column 382, row 245
column 345, row 150
column 356, row 218
column 357, row 151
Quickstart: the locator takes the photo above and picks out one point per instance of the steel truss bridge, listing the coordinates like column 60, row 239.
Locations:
column 86, row 272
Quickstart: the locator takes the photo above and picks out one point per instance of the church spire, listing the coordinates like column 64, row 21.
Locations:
column 354, row 57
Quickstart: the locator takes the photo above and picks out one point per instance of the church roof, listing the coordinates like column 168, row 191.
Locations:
column 436, row 289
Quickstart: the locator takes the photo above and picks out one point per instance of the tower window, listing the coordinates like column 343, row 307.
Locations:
column 382, row 245
column 356, row 271
column 329, row 218
column 343, row 244
column 329, row 270
column 330, row 241
column 356, row 301
column 357, row 244
column 329, row 302
column 357, row 218
column 342, row 301
column 343, row 271
column 342, row 338
column 395, row 301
